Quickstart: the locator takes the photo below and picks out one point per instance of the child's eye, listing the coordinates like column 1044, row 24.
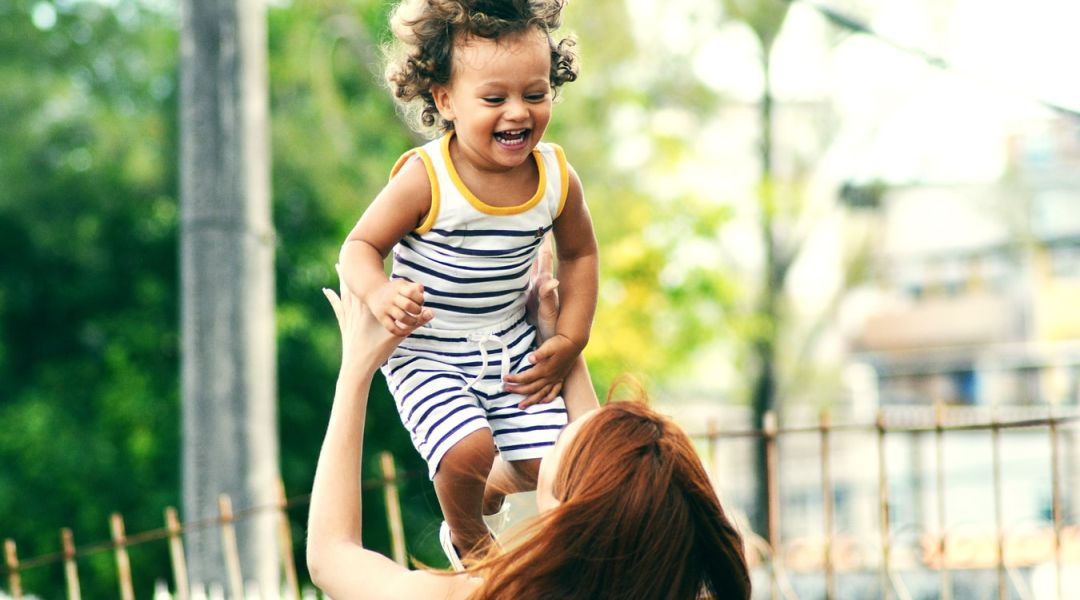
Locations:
column 539, row 97
column 492, row 99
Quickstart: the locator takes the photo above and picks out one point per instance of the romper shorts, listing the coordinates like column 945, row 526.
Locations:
column 448, row 384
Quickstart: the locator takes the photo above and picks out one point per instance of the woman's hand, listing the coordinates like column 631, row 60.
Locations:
column 542, row 305
column 365, row 343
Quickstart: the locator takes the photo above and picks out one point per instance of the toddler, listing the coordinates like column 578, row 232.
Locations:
column 464, row 216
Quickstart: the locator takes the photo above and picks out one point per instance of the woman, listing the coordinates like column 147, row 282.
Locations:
column 626, row 509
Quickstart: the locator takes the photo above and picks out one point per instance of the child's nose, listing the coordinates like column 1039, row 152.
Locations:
column 516, row 109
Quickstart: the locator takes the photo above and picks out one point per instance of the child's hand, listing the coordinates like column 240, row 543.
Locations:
column 363, row 341
column 398, row 304
column 551, row 364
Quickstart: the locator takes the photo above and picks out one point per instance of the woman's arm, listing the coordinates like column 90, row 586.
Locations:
column 339, row 564
column 543, row 309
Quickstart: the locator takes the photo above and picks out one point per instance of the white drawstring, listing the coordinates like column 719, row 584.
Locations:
column 480, row 339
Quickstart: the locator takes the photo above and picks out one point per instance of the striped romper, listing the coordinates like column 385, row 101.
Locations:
column 473, row 260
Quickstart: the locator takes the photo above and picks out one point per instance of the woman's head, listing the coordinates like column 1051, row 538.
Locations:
column 631, row 514
column 427, row 32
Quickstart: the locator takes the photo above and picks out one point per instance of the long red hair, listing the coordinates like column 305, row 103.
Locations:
column 637, row 520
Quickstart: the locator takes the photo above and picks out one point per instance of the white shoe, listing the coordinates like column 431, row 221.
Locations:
column 496, row 523
column 448, row 548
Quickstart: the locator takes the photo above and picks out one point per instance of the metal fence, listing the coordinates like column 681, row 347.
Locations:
column 172, row 533
column 767, row 550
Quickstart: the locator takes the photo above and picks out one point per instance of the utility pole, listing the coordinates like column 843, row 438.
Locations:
column 228, row 357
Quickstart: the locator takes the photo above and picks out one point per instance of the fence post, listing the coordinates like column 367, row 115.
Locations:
column 770, row 428
column 1055, row 504
column 229, row 547
column 11, row 559
column 939, row 443
column 176, row 554
column 123, row 563
column 71, row 572
column 827, row 505
column 883, row 507
column 393, row 507
column 999, row 527
column 292, row 583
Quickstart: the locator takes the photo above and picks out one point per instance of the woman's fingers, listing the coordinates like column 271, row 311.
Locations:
column 335, row 302
column 545, row 260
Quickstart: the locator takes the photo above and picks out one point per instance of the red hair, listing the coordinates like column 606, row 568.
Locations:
column 638, row 518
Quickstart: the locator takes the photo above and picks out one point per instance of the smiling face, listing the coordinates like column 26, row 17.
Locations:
column 552, row 462
column 498, row 98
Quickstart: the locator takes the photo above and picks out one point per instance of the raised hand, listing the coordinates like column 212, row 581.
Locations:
column 542, row 305
column 552, row 362
column 364, row 341
column 398, row 304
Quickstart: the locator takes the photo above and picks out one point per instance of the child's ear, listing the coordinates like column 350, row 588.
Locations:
column 441, row 95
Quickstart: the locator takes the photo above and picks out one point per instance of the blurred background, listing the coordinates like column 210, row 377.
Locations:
column 864, row 207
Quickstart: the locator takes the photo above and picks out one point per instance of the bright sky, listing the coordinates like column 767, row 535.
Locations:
column 902, row 119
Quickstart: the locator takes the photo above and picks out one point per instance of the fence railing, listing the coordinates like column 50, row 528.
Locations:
column 172, row 532
column 769, row 545
column 937, row 554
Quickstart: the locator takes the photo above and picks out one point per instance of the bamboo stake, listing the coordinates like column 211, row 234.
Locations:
column 769, row 425
column 11, row 559
column 939, row 443
column 123, row 563
column 999, row 528
column 393, row 508
column 71, row 572
column 229, row 546
column 827, row 506
column 1055, row 505
column 176, row 555
column 292, row 583
column 883, row 508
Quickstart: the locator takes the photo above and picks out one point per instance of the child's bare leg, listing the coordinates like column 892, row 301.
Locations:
column 459, row 484
column 509, row 477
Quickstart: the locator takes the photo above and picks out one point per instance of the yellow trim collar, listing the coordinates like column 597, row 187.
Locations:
column 479, row 204
column 564, row 178
column 433, row 211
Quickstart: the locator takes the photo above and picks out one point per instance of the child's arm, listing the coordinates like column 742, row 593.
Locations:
column 578, row 272
column 398, row 209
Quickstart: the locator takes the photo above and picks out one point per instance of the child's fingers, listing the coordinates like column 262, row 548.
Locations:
column 401, row 316
column 413, row 291
column 417, row 321
column 392, row 326
column 408, row 304
column 535, row 398
column 542, row 398
column 522, row 378
column 527, row 388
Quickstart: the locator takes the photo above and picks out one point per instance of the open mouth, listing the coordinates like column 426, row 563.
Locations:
column 513, row 138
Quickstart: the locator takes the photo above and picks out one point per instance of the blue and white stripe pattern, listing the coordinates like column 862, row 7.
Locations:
column 473, row 260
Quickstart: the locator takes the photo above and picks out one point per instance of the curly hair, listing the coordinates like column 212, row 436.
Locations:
column 425, row 32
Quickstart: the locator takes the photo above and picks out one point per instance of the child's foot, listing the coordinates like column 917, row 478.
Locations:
column 497, row 522
column 449, row 549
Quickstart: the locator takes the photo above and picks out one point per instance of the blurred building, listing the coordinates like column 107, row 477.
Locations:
column 980, row 284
